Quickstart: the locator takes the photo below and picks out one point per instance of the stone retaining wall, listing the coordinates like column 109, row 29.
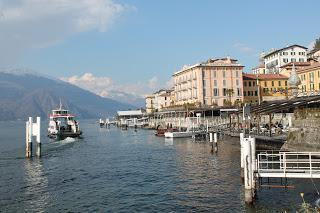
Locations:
column 305, row 133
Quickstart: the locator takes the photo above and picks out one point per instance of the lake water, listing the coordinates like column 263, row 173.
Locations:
column 113, row 170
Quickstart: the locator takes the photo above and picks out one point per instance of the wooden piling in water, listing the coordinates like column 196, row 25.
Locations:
column 249, row 168
column 29, row 138
column 241, row 156
column 38, row 139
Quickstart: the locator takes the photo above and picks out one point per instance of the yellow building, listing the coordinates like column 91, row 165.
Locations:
column 265, row 87
column 287, row 68
column 310, row 77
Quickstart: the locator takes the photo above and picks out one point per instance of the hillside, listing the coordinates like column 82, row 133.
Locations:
column 24, row 95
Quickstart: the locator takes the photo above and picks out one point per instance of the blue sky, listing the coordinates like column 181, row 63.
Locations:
column 152, row 39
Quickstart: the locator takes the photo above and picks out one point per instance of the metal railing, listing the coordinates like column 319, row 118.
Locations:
column 293, row 164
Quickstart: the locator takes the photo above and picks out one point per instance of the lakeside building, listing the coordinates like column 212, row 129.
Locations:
column 214, row 82
column 159, row 100
column 259, row 69
column 264, row 87
column 287, row 68
column 310, row 78
column 150, row 100
column 277, row 58
column 314, row 54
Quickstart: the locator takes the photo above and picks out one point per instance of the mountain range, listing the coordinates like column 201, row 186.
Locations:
column 25, row 94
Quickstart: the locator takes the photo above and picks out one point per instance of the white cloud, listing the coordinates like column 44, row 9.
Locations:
column 26, row 24
column 106, row 87
column 243, row 48
column 153, row 82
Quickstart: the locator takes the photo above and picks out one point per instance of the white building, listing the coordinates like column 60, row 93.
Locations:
column 277, row 58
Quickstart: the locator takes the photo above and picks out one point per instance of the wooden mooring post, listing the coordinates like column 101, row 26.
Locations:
column 214, row 142
column 249, row 169
column 33, row 129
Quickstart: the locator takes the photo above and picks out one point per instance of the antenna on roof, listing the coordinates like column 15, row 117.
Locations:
column 60, row 104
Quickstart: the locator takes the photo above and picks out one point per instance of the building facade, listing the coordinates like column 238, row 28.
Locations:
column 314, row 54
column 277, row 58
column 259, row 69
column 264, row 87
column 159, row 100
column 287, row 68
column 214, row 82
column 310, row 77
column 150, row 103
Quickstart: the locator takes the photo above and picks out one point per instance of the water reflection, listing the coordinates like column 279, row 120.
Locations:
column 36, row 189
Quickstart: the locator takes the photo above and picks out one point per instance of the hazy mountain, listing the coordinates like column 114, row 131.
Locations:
column 127, row 98
column 24, row 95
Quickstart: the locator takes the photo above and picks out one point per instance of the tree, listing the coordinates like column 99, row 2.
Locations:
column 317, row 44
column 229, row 93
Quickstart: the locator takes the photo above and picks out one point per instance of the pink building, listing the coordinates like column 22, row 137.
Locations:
column 214, row 82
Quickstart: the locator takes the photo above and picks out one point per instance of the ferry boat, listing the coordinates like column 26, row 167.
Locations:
column 62, row 124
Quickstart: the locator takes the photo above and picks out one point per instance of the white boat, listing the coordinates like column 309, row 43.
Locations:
column 62, row 124
column 183, row 134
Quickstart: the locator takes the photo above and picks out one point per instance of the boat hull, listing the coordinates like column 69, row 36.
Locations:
column 64, row 135
column 186, row 134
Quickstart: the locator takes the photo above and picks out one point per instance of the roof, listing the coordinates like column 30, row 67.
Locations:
column 211, row 63
column 247, row 76
column 296, row 64
column 313, row 66
column 283, row 105
column 288, row 47
column 130, row 113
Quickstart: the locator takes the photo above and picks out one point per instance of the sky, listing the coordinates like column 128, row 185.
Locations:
column 114, row 47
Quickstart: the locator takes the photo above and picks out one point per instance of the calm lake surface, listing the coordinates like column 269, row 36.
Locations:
column 112, row 170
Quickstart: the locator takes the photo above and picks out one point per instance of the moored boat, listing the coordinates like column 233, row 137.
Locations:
column 183, row 134
column 62, row 124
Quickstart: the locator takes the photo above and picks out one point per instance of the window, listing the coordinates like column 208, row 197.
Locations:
column 256, row 93
column 245, row 83
column 239, row 91
column 244, row 93
column 293, row 60
column 224, row 82
column 279, row 83
column 265, row 84
column 203, row 74
column 204, row 83
column 253, row 83
column 214, row 74
column 215, row 92
column 224, row 92
column 272, row 83
column 204, row 92
column 301, row 60
column 311, row 86
column 293, row 53
column 224, row 73
column 311, row 76
column 285, row 60
column 286, row 83
column 237, row 74
column 215, row 83
column 249, row 83
column 237, row 82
